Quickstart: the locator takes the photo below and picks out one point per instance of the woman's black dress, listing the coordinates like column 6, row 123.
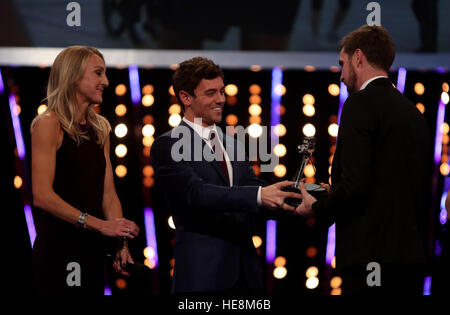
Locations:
column 60, row 247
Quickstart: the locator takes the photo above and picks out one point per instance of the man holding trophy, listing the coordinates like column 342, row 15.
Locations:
column 212, row 200
column 380, row 178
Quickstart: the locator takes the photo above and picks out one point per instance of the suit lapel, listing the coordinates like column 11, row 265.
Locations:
column 215, row 164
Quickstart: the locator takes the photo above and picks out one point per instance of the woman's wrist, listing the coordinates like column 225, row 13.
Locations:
column 95, row 224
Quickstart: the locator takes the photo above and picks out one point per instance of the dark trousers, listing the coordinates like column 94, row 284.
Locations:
column 393, row 280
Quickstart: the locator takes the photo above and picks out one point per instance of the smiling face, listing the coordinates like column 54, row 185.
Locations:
column 348, row 74
column 206, row 103
column 92, row 83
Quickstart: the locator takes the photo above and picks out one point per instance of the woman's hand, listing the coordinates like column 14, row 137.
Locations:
column 120, row 228
column 123, row 257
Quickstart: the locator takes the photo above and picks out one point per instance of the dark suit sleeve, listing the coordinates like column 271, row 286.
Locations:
column 184, row 188
column 356, row 156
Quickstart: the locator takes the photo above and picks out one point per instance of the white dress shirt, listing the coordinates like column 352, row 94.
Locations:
column 370, row 80
column 204, row 133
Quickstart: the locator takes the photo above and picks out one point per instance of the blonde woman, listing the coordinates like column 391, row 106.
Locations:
column 72, row 180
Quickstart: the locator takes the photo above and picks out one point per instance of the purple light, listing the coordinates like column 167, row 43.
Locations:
column 107, row 290
column 438, row 139
column 133, row 74
column 30, row 224
column 443, row 216
column 16, row 125
column 342, row 98
column 331, row 244
column 437, row 248
column 2, row 87
column 150, row 234
column 271, row 241
column 271, row 227
column 277, row 80
column 401, row 79
column 427, row 286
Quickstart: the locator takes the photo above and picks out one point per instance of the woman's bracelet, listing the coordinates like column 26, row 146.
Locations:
column 81, row 222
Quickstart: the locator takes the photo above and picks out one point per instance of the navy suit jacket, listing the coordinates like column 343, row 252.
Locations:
column 213, row 244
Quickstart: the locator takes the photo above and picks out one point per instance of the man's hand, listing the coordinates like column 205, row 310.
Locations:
column 305, row 208
column 272, row 196
column 326, row 186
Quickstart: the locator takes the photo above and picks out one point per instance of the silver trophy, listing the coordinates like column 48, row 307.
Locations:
column 305, row 150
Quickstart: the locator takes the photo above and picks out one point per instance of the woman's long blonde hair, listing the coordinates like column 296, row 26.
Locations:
column 67, row 69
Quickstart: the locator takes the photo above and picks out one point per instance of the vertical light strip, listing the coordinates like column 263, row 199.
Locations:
column 331, row 244
column 438, row 139
column 343, row 94
column 427, row 286
column 107, row 290
column 271, row 229
column 135, row 88
column 16, row 124
column 150, row 234
column 30, row 224
column 2, row 87
column 443, row 214
column 271, row 241
column 401, row 80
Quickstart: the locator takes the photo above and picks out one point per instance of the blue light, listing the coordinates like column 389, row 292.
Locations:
column 438, row 139
column 16, row 125
column 343, row 94
column 271, row 241
column 427, row 286
column 133, row 74
column 150, row 234
column 30, row 224
column 401, row 79
column 271, row 228
column 2, row 87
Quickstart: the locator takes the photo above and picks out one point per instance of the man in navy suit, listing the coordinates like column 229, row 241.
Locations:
column 381, row 176
column 211, row 192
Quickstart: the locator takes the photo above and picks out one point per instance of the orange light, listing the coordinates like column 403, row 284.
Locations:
column 257, row 241
column 148, row 120
column 311, row 252
column 255, row 99
column 279, row 261
column 231, row 89
column 231, row 120
column 148, row 89
column 148, row 171
column 121, row 110
column 121, row 89
column 17, row 182
column 121, row 283
column 420, row 107
column 419, row 88
column 171, row 90
column 257, row 169
column 254, row 89
column 174, row 109
column 255, row 110
column 280, row 170
column 255, row 119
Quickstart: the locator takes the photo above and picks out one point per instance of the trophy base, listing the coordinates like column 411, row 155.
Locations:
column 315, row 190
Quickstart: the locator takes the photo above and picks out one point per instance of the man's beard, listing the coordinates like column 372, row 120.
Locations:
column 351, row 82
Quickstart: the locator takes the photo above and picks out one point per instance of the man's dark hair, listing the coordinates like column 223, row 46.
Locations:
column 375, row 42
column 191, row 72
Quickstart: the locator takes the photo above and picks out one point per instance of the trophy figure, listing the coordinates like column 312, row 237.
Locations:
column 306, row 150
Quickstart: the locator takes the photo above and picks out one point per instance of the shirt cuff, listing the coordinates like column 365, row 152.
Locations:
column 259, row 200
